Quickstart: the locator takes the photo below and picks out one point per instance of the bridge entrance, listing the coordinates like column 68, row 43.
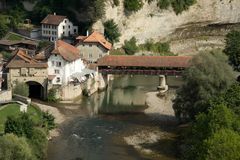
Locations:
column 36, row 90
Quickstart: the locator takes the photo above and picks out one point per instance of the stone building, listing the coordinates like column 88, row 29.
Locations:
column 93, row 47
column 23, row 68
column 56, row 27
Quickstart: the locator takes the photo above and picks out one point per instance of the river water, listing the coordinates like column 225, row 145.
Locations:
column 98, row 124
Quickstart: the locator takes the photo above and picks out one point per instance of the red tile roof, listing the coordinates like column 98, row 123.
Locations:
column 67, row 51
column 145, row 61
column 95, row 37
column 53, row 19
column 22, row 60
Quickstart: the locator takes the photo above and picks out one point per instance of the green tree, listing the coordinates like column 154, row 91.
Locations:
column 3, row 28
column 181, row 5
column 232, row 49
column 223, row 145
column 111, row 31
column 21, row 88
column 163, row 4
column 15, row 148
column 130, row 46
column 203, row 80
column 48, row 121
column 52, row 97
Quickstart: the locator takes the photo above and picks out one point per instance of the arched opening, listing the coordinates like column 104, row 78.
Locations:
column 36, row 90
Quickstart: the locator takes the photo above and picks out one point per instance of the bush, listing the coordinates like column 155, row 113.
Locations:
column 116, row 2
column 21, row 126
column 15, row 148
column 39, row 143
column 48, row 121
column 6, row 55
column 133, row 5
column 181, row 5
column 163, row 4
column 111, row 31
column 130, row 46
column 52, row 95
column 21, row 88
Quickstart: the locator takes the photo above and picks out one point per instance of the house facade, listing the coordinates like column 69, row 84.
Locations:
column 93, row 47
column 55, row 27
column 64, row 61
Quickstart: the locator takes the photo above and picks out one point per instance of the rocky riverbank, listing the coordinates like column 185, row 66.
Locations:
column 160, row 111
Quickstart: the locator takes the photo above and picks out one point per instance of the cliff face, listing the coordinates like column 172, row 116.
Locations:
column 151, row 22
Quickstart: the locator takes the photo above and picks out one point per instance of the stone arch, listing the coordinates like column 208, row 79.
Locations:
column 36, row 90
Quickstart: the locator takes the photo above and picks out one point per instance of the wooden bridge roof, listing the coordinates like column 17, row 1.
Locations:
column 145, row 61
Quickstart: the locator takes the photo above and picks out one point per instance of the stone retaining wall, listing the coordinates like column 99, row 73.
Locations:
column 5, row 95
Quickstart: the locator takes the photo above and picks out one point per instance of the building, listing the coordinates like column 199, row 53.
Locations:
column 23, row 68
column 9, row 45
column 56, row 27
column 93, row 47
column 64, row 61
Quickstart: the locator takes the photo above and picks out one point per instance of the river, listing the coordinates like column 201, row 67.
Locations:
column 99, row 126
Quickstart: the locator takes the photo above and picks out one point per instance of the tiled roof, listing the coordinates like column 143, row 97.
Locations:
column 53, row 19
column 10, row 43
column 22, row 60
column 67, row 51
column 95, row 37
column 145, row 61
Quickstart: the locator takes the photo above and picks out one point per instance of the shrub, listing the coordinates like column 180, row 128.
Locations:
column 21, row 88
column 163, row 4
column 48, row 121
column 111, row 31
column 133, row 5
column 52, row 95
column 116, row 2
column 181, row 5
column 130, row 46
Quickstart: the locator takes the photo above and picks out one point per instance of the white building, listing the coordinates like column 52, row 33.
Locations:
column 56, row 27
column 63, row 63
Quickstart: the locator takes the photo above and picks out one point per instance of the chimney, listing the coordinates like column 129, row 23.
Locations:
column 54, row 13
column 55, row 44
column 87, row 33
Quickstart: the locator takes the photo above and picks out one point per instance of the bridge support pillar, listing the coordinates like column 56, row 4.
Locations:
column 163, row 87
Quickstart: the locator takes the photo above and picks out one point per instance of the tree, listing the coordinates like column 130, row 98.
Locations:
column 163, row 4
column 111, row 31
column 13, row 147
column 232, row 49
column 130, row 46
column 223, row 145
column 48, row 121
column 203, row 80
column 52, row 95
column 206, row 126
column 181, row 5
column 3, row 28
column 21, row 88
column 133, row 5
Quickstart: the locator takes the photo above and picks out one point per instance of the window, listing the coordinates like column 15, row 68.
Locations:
column 63, row 33
column 69, row 26
column 90, row 45
column 56, row 71
column 58, row 79
column 75, row 31
column 58, row 64
column 52, row 63
column 65, row 21
column 63, row 27
column 90, row 55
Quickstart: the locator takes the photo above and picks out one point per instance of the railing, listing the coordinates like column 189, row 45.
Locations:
column 141, row 72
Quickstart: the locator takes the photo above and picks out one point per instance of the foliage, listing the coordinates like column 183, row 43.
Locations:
column 6, row 55
column 203, row 80
column 157, row 47
column 130, row 46
column 52, row 95
column 48, row 121
column 163, row 4
column 39, row 143
column 13, row 147
column 3, row 27
column 232, row 49
column 20, row 126
column 14, row 37
column 111, row 31
column 181, row 5
column 205, row 133
column 116, row 2
column 133, row 5
column 21, row 88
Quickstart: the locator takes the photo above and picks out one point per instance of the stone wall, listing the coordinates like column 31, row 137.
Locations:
column 5, row 95
column 68, row 92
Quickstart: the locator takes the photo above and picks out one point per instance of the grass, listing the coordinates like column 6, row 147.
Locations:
column 14, row 37
column 14, row 110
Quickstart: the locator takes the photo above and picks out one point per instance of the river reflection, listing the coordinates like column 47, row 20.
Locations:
column 113, row 113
